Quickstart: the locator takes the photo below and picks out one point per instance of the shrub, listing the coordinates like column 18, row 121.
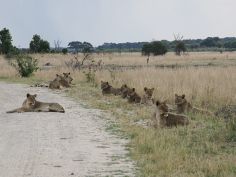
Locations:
column 155, row 48
column 64, row 51
column 26, row 65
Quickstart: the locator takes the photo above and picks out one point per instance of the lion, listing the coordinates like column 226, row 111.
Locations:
column 108, row 89
column 68, row 78
column 125, row 91
column 163, row 118
column 147, row 97
column 133, row 97
column 59, row 82
column 32, row 105
column 184, row 106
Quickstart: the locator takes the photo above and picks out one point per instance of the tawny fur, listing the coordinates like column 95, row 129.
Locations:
column 183, row 106
column 32, row 105
column 147, row 97
column 163, row 118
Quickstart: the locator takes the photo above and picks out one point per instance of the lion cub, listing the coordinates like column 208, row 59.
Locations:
column 32, row 105
column 108, row 89
column 125, row 91
column 147, row 97
column 59, row 82
column 163, row 118
column 184, row 106
column 133, row 97
column 67, row 77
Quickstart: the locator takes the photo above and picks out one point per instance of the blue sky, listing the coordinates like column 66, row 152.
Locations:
column 99, row 21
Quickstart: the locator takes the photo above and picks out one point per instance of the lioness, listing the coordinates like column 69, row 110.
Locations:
column 59, row 82
column 164, row 118
column 125, row 91
column 32, row 105
column 184, row 106
column 108, row 89
column 133, row 97
column 67, row 77
column 147, row 97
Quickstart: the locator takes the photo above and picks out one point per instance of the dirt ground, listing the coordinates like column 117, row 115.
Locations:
column 57, row 144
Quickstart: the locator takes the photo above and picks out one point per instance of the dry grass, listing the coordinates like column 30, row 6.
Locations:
column 200, row 150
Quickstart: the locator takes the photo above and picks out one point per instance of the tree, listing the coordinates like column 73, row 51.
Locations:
column 87, row 47
column 44, row 46
column 211, row 42
column 76, row 45
column 179, row 45
column 230, row 45
column 39, row 45
column 158, row 48
column 35, row 43
column 5, row 41
column 64, row 51
column 84, row 47
column 155, row 48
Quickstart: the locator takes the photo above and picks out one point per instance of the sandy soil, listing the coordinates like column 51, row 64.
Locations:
column 57, row 144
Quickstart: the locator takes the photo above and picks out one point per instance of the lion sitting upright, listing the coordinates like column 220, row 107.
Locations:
column 68, row 78
column 184, row 106
column 147, row 97
column 133, row 97
column 32, row 105
column 163, row 118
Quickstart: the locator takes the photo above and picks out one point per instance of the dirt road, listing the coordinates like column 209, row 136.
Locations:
column 57, row 144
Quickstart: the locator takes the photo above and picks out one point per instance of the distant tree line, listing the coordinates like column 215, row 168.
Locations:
column 179, row 45
column 208, row 44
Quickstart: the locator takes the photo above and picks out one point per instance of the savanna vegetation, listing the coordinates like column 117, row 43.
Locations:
column 204, row 148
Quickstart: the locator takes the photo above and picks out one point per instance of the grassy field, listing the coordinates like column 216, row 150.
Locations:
column 205, row 148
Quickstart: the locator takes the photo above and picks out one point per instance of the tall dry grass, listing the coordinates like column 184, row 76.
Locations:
column 6, row 70
column 204, row 86
column 212, row 86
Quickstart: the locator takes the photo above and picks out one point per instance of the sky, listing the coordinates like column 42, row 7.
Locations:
column 99, row 21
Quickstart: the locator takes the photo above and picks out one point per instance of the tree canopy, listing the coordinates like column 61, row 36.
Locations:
column 38, row 45
column 5, row 41
column 155, row 48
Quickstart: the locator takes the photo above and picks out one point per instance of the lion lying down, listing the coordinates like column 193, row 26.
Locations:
column 32, row 105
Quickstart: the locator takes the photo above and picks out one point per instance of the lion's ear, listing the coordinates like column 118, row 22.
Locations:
column 107, row 82
column 133, row 89
column 69, row 73
column 57, row 75
column 145, row 88
column 183, row 96
column 27, row 95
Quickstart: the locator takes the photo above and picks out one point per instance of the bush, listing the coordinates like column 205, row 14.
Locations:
column 64, row 51
column 26, row 65
column 155, row 48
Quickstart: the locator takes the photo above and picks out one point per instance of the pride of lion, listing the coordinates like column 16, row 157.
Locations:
column 164, row 115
